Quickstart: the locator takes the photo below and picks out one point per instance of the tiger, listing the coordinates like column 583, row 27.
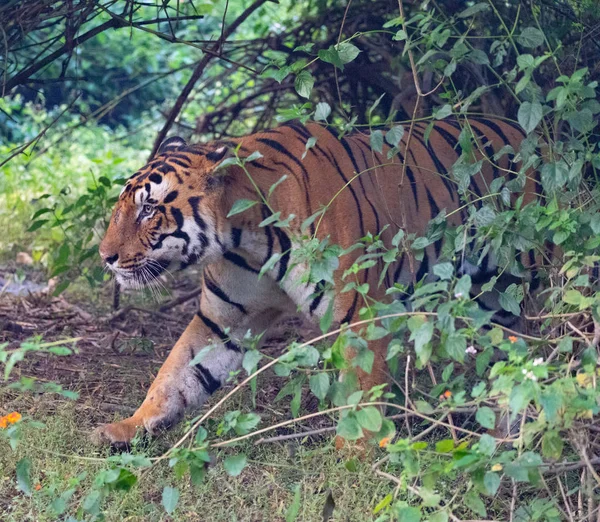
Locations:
column 173, row 213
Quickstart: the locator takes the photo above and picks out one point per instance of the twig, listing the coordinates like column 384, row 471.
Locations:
column 187, row 89
column 127, row 309
column 181, row 299
column 24, row 147
column 406, row 394
column 309, row 433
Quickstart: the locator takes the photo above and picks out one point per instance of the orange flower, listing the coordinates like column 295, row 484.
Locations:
column 38, row 487
column 384, row 442
column 13, row 417
column 447, row 394
column 512, row 339
column 3, row 422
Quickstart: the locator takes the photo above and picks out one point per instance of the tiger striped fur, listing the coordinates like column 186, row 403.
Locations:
column 172, row 213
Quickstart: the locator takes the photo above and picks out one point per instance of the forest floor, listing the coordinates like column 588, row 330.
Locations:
column 117, row 356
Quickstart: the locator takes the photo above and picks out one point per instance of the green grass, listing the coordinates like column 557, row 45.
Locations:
column 263, row 491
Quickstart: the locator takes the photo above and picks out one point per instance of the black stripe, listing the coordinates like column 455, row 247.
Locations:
column 286, row 248
column 236, row 237
column 411, row 178
column 350, row 312
column 178, row 162
column 348, row 150
column 165, row 168
column 265, row 214
column 275, row 145
column 399, row 268
column 211, row 285
column 239, row 261
column 209, row 383
column 320, row 291
column 438, row 165
column 171, row 196
column 214, row 328
column 424, row 268
column 194, row 202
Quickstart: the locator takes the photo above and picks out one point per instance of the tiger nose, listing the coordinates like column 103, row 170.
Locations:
column 108, row 259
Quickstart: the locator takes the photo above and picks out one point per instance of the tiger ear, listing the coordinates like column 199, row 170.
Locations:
column 219, row 154
column 171, row 144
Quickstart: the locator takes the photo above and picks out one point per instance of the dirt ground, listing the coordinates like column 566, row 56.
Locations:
column 118, row 352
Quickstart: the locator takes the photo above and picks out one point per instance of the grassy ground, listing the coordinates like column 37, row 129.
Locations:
column 264, row 490
column 114, row 365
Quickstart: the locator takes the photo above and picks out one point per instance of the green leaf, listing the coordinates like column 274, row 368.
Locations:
column 376, row 140
column 355, row 397
column 439, row 516
column 319, row 385
column 400, row 36
column 252, row 157
column 24, row 476
column 277, row 74
column 235, row 464
column 294, row 509
column 347, row 52
column 125, row 481
column 421, row 337
column 170, row 498
column 251, row 360
column 326, row 320
column 424, row 407
column 270, row 264
column 394, row 135
column 551, row 401
column 331, row 56
column 201, row 435
column 555, row 175
column 409, row 514
column 463, row 287
column 430, row 499
column 455, row 346
column 530, row 115
column 474, row 502
column 442, row 112
column 444, row 271
column 385, row 502
column 348, row 428
column 487, row 444
column 241, row 205
column 474, row 9
column 278, row 182
column 486, row 417
column 509, row 303
column 364, row 360
column 369, row 418
column 322, row 111
column 552, row 445
column 246, row 422
column 444, row 446
column 91, row 503
column 310, row 143
column 531, row 37
column 491, row 482
column 37, row 224
column 304, row 83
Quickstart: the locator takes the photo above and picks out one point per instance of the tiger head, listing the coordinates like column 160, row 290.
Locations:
column 167, row 215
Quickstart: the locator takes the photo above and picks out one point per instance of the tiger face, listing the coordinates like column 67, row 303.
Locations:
column 166, row 215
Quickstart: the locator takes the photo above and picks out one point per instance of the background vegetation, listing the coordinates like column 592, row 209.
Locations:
column 90, row 88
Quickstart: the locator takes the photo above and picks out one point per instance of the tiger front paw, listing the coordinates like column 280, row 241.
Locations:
column 117, row 434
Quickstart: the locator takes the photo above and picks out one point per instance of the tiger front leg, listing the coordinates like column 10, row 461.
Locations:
column 178, row 385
